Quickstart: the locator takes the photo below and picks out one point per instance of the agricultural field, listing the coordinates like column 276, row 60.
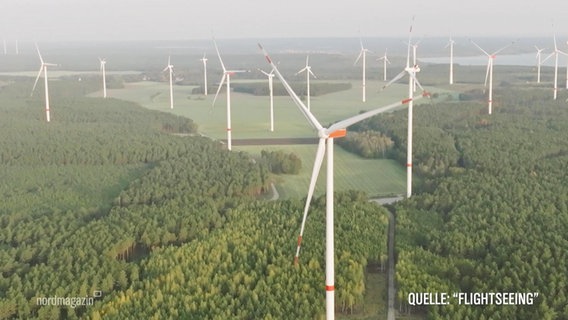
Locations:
column 376, row 177
column 250, row 119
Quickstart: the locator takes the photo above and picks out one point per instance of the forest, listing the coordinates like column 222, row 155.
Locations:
column 491, row 213
column 108, row 198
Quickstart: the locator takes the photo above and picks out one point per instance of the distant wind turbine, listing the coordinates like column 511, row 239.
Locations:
column 538, row 63
column 450, row 44
column 271, row 89
column 308, row 71
column 226, row 76
column 489, row 74
column 170, row 67
column 103, row 63
column 385, row 61
column 362, row 53
column 204, row 60
column 43, row 68
column 411, row 71
column 326, row 140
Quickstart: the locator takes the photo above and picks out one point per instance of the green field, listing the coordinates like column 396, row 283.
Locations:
column 376, row 177
column 250, row 119
column 250, row 114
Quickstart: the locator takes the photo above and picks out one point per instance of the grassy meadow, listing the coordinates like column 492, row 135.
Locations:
column 250, row 119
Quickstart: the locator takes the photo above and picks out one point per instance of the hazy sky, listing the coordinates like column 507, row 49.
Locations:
column 45, row 20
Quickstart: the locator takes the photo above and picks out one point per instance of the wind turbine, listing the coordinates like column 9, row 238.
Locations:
column 270, row 88
column 103, row 63
column 414, row 59
column 385, row 61
column 204, row 60
column 170, row 67
column 362, row 53
column 226, row 76
column 489, row 74
column 308, row 71
column 450, row 44
column 326, row 138
column 411, row 71
column 43, row 68
column 538, row 62
column 555, row 53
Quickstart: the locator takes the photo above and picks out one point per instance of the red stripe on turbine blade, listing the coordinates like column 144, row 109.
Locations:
column 409, row 165
column 406, row 100
column 329, row 288
column 228, row 129
column 299, row 240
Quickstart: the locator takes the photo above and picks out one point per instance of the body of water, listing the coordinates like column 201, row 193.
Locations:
column 525, row 59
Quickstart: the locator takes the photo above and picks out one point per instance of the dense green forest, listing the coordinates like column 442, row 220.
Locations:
column 492, row 213
column 279, row 162
column 105, row 198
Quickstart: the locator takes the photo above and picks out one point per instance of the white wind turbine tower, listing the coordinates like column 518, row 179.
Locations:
column 450, row 44
column 226, row 76
column 170, row 67
column 489, row 74
column 326, row 138
column 411, row 71
column 555, row 53
column 103, row 63
column 385, row 61
column 204, row 60
column 308, row 71
column 538, row 62
column 271, row 90
column 43, row 68
column 362, row 53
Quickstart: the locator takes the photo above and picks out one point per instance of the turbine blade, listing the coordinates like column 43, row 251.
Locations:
column 304, row 69
column 36, row 80
column 219, row 89
column 409, row 40
column 309, row 116
column 39, row 54
column 505, row 47
column 264, row 72
column 548, row 57
column 395, row 79
column 315, row 172
column 310, row 71
column 360, row 117
column 478, row 47
column 413, row 76
column 358, row 57
column 219, row 55
column 489, row 63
